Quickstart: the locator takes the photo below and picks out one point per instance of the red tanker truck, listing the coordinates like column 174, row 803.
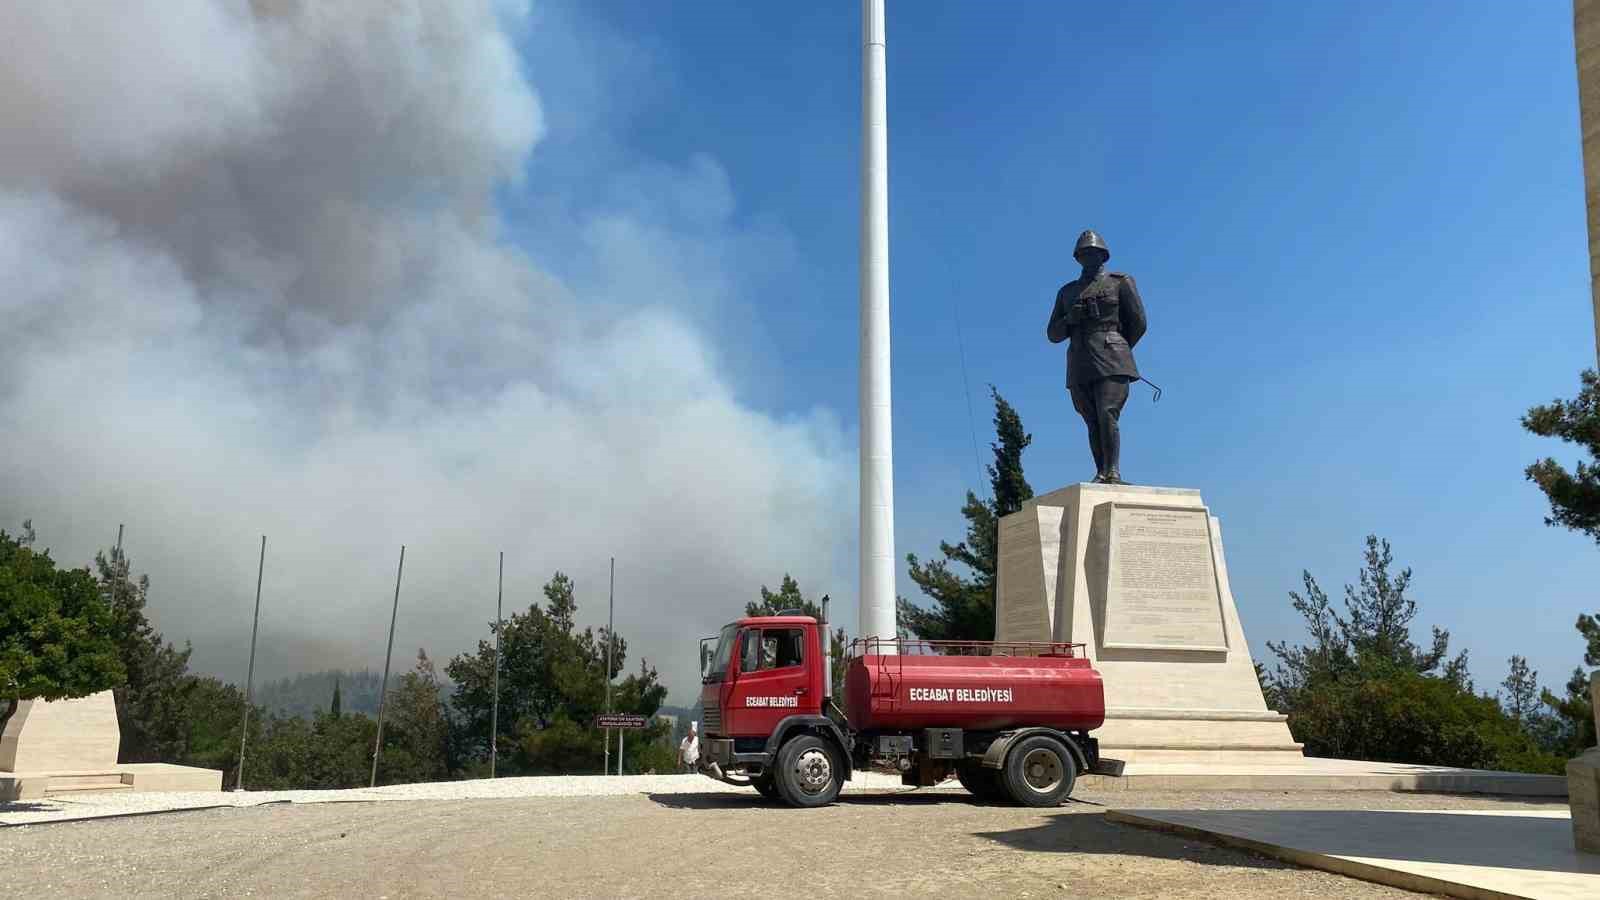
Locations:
column 1010, row 720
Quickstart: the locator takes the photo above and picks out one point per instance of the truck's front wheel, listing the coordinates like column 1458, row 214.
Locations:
column 808, row 772
column 1039, row 772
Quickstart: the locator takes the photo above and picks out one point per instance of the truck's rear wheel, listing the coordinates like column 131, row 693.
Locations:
column 1039, row 771
column 808, row 772
column 982, row 783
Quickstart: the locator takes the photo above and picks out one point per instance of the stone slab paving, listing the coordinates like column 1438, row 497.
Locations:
column 1460, row 853
column 1317, row 774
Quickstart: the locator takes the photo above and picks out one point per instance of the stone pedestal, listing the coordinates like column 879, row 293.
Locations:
column 62, row 746
column 1583, row 785
column 1137, row 575
column 79, row 735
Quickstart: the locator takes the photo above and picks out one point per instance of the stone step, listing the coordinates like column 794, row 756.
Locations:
column 86, row 781
column 54, row 790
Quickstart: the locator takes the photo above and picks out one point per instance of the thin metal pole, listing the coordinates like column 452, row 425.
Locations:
column 620, row 733
column 383, row 690
column 499, row 625
column 611, row 642
column 250, row 675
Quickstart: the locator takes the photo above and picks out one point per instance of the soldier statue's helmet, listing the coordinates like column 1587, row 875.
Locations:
column 1090, row 240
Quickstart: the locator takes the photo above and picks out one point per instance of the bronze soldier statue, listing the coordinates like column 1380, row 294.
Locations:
column 1102, row 313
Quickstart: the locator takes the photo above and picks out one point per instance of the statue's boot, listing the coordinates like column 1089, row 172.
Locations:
column 1099, row 455
column 1110, row 447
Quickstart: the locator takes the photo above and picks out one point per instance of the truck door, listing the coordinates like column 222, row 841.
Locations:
column 774, row 680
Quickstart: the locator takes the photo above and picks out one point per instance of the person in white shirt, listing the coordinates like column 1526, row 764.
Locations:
column 689, row 749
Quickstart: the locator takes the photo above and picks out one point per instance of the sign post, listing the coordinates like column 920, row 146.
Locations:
column 621, row 722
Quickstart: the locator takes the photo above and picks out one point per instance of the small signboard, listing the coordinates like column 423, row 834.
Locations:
column 620, row 720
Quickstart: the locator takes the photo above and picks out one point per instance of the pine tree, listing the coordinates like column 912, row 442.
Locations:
column 1574, row 496
column 1375, row 629
column 962, row 584
column 416, row 748
column 1575, row 505
column 1520, row 698
column 1575, row 710
column 1380, row 614
column 1361, row 689
column 151, row 706
column 334, row 710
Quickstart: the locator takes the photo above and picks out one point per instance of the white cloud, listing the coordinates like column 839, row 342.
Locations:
column 257, row 283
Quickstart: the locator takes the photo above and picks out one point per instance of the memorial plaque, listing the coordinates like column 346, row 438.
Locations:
column 1161, row 591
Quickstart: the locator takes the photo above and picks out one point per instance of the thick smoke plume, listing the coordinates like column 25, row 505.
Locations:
column 260, row 278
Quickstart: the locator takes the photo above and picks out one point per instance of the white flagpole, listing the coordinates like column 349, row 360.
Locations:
column 877, row 445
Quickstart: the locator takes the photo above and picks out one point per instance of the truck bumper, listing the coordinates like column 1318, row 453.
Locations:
column 721, row 752
column 720, row 762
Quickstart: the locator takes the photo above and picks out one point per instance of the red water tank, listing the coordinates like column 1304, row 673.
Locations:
column 904, row 692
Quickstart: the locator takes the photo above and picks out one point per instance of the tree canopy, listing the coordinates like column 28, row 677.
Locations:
column 1361, row 688
column 55, row 629
column 552, row 683
column 152, row 705
column 1374, row 629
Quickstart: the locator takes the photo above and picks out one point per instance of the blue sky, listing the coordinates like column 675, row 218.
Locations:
column 1358, row 229
column 580, row 282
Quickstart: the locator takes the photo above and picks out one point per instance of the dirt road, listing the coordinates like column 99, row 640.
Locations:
column 651, row 845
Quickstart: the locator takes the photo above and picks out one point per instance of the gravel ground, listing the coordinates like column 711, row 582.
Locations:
column 89, row 805
column 661, row 838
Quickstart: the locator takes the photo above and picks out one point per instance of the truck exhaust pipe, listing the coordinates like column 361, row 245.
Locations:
column 827, row 656
column 714, row 771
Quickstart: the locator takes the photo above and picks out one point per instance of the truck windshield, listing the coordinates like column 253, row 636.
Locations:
column 718, row 669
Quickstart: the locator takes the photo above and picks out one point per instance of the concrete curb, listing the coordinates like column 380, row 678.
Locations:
column 1471, row 881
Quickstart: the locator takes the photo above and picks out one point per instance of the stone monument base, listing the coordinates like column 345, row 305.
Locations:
column 65, row 746
column 1583, row 784
column 1583, row 793
column 1136, row 574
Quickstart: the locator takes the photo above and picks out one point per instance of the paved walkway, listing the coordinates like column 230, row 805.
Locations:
column 1461, row 853
column 1317, row 774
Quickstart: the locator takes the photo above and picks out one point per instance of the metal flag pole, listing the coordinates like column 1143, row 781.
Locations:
column 611, row 642
column 499, row 625
column 877, row 445
column 383, row 690
column 250, row 675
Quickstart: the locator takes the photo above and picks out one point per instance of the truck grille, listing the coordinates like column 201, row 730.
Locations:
column 712, row 715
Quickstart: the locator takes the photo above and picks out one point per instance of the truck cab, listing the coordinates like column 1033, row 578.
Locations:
column 766, row 682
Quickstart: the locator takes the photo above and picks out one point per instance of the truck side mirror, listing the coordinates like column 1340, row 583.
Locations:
column 706, row 653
